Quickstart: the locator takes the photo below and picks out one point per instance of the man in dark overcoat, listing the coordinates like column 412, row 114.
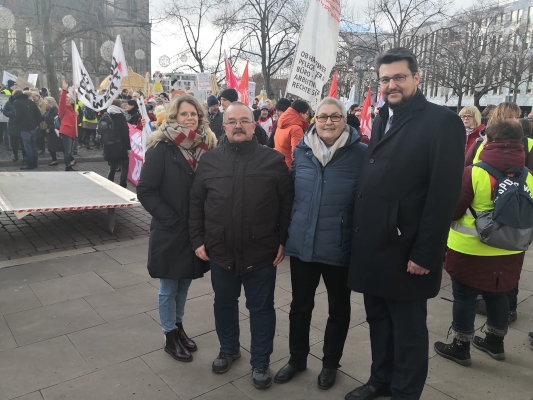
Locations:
column 408, row 190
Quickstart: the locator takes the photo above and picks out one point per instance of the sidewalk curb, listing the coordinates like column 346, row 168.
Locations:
column 70, row 253
column 8, row 163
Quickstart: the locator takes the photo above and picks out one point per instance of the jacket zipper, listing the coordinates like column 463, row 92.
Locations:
column 342, row 231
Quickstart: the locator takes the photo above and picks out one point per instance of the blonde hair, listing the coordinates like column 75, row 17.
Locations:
column 473, row 111
column 504, row 111
column 51, row 101
column 172, row 113
column 159, row 109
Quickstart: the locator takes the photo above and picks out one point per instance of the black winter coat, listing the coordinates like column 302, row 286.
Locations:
column 408, row 190
column 216, row 125
column 9, row 111
column 119, row 150
column 163, row 190
column 241, row 204
column 28, row 116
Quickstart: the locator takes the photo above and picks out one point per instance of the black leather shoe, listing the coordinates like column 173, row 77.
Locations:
column 326, row 379
column 287, row 372
column 186, row 340
column 366, row 392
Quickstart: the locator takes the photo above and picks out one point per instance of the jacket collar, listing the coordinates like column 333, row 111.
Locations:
column 242, row 148
column 401, row 116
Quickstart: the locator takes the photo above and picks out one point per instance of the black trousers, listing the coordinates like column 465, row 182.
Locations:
column 113, row 165
column 305, row 277
column 16, row 144
column 400, row 346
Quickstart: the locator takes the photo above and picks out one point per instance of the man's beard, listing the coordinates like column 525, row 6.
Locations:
column 401, row 103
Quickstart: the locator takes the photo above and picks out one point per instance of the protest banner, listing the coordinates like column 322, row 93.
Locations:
column 136, row 155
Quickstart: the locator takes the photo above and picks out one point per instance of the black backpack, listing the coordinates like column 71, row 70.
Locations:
column 57, row 122
column 105, row 130
column 89, row 113
column 510, row 225
column 479, row 140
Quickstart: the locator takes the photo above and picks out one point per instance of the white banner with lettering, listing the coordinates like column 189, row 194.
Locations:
column 87, row 93
column 317, row 50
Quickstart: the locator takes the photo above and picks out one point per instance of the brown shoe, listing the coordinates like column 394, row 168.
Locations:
column 187, row 342
column 175, row 347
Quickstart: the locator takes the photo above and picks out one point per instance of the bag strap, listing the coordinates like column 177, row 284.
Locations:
column 490, row 169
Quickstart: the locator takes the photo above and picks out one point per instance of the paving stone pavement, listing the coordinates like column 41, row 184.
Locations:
column 79, row 320
column 44, row 233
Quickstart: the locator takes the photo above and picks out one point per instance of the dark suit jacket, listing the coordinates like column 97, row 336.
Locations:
column 408, row 190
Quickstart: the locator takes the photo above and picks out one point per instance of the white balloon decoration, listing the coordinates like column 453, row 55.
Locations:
column 69, row 22
column 106, row 50
column 139, row 54
column 164, row 61
column 183, row 58
column 7, row 19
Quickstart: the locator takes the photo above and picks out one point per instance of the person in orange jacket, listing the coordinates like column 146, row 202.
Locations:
column 291, row 127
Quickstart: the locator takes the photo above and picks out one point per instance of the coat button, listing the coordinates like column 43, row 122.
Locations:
column 237, row 159
column 371, row 161
column 359, row 194
column 356, row 230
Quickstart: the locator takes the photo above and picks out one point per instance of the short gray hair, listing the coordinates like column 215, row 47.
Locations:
column 334, row 101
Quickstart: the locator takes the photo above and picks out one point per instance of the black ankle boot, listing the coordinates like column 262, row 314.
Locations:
column 187, row 342
column 456, row 351
column 491, row 344
column 175, row 347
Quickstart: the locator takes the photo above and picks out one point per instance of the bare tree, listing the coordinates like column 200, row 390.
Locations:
column 200, row 38
column 517, row 56
column 466, row 56
column 403, row 20
column 269, row 30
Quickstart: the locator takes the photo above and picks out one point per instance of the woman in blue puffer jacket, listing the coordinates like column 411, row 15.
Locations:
column 325, row 168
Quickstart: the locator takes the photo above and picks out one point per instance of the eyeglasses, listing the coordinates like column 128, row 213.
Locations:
column 400, row 78
column 324, row 118
column 234, row 123
column 466, row 116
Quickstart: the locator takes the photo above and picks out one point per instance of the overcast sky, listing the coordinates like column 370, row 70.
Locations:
column 166, row 40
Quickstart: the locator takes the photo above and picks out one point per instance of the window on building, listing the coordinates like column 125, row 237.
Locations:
column 29, row 43
column 530, row 16
column 12, row 40
column 81, row 49
column 519, row 15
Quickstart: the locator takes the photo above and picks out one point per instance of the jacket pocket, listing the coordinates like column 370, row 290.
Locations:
column 342, row 221
column 214, row 243
column 394, row 232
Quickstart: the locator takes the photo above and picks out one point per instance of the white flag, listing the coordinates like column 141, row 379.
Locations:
column 317, row 50
column 147, row 128
column 351, row 98
column 87, row 93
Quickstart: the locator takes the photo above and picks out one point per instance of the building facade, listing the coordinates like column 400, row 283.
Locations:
column 91, row 24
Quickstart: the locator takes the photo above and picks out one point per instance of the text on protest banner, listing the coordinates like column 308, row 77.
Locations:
column 83, row 83
column 317, row 50
column 136, row 155
column 8, row 76
column 203, row 81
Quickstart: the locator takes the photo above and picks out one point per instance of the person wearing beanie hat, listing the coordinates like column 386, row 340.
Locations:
column 215, row 116
column 282, row 105
column 228, row 96
column 291, row 127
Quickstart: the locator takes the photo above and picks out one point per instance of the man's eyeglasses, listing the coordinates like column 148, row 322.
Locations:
column 324, row 118
column 466, row 116
column 400, row 78
column 234, row 123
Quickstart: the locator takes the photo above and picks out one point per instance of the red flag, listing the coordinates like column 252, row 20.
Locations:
column 243, row 86
column 231, row 80
column 333, row 87
column 366, row 120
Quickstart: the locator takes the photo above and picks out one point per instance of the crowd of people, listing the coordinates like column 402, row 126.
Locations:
column 234, row 189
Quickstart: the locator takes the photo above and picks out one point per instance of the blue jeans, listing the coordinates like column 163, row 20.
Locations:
column 29, row 140
column 259, row 291
column 67, row 148
column 172, row 298
column 464, row 310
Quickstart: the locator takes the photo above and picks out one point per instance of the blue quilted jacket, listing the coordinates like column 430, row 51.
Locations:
column 322, row 212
